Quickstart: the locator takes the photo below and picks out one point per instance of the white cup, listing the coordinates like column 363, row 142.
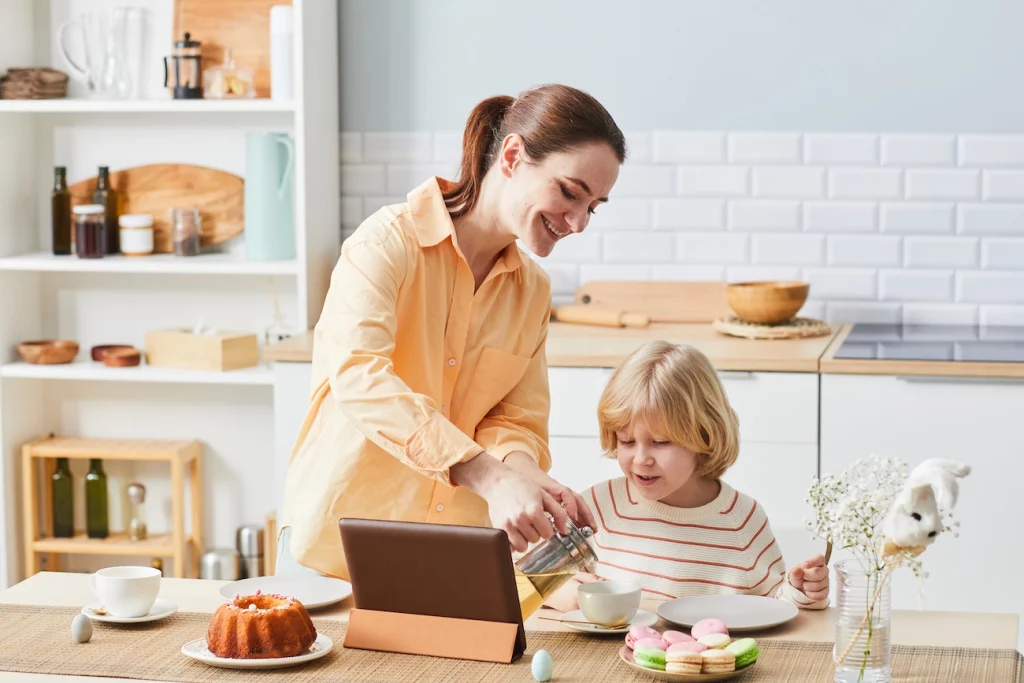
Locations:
column 126, row 591
column 608, row 603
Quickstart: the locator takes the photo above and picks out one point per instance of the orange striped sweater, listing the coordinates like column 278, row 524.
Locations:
column 726, row 546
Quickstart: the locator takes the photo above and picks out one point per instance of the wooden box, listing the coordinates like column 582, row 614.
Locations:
column 180, row 348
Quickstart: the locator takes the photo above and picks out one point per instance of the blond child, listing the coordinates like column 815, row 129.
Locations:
column 670, row 524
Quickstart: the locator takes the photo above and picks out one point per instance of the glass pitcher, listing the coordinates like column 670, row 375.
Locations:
column 104, row 41
column 547, row 566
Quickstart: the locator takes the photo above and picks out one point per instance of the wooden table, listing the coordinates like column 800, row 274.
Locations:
column 972, row 630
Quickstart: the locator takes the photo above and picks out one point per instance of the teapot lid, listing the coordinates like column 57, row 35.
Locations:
column 187, row 42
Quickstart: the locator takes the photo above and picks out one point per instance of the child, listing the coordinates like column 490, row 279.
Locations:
column 670, row 524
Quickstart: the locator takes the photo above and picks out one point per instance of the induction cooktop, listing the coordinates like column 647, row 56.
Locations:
column 967, row 343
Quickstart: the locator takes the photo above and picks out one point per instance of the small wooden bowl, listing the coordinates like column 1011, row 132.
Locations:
column 99, row 351
column 123, row 357
column 48, row 351
column 767, row 303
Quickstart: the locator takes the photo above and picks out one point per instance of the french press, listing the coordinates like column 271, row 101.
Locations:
column 185, row 76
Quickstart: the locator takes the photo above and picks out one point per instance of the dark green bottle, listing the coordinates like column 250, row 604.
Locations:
column 63, row 501
column 60, row 208
column 107, row 196
column 96, row 500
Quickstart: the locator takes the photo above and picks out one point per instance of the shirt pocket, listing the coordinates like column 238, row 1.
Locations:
column 497, row 373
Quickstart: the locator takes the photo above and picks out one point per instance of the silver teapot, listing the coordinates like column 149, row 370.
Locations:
column 554, row 561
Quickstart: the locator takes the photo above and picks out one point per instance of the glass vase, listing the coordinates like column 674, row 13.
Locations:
column 863, row 649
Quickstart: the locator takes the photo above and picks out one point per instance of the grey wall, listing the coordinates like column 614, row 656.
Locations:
column 865, row 65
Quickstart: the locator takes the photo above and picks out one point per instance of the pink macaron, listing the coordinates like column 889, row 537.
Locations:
column 651, row 642
column 673, row 637
column 706, row 626
column 639, row 633
column 688, row 646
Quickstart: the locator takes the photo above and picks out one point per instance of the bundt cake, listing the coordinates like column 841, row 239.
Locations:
column 260, row 626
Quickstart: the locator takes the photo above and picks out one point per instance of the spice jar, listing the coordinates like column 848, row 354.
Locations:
column 185, row 229
column 90, row 230
column 136, row 234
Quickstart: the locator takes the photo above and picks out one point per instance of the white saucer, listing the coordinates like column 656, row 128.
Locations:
column 197, row 650
column 161, row 608
column 641, row 618
column 311, row 591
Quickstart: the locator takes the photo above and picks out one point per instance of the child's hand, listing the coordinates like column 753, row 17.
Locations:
column 811, row 578
column 564, row 599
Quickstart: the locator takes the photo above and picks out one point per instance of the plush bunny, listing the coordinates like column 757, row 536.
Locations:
column 915, row 520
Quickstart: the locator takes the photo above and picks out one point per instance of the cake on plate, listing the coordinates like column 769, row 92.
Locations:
column 260, row 626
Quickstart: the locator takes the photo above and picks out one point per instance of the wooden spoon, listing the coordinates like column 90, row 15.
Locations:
column 586, row 623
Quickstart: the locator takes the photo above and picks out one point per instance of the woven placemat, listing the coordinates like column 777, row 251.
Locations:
column 791, row 329
column 38, row 640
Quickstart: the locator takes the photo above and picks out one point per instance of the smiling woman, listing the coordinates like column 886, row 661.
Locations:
column 430, row 396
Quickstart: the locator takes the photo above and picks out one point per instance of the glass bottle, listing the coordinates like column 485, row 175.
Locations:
column 96, row 500
column 158, row 565
column 60, row 213
column 107, row 196
column 137, row 525
column 63, row 501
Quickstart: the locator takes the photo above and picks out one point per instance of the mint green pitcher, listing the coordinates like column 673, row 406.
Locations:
column 269, row 197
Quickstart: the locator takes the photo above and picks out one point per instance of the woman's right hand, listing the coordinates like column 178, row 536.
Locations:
column 515, row 503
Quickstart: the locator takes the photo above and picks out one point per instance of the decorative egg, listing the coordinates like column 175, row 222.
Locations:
column 81, row 628
column 542, row 666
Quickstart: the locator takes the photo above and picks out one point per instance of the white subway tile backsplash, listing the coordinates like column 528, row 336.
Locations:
column 915, row 285
column 991, row 287
column 991, row 150
column 589, row 273
column 860, row 183
column 362, row 179
column 1003, row 185
column 1002, row 254
column 622, row 214
column 876, row 250
column 398, row 148
column 638, row 148
column 942, row 184
column 712, row 248
column 995, row 316
column 350, row 148
column 639, row 247
column 788, row 182
column 760, row 273
column 713, row 181
column 789, row 250
column 690, row 273
column 764, row 215
column 684, row 147
column 689, row 214
column 918, row 150
column 842, row 283
column 565, row 278
column 351, row 212
column 840, row 312
column 764, row 148
column 372, row 203
column 840, row 217
column 940, row 314
column 583, row 248
column 940, row 252
column 448, row 147
column 917, row 219
column 403, row 179
column 840, row 149
column 990, row 219
column 812, row 309
column 645, row 181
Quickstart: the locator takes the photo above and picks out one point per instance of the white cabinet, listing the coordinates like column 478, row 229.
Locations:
column 577, row 462
column 972, row 420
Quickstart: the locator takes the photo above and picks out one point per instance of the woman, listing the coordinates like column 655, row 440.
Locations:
column 430, row 396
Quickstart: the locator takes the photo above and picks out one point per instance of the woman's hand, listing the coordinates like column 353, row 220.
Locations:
column 565, row 598
column 573, row 502
column 811, row 578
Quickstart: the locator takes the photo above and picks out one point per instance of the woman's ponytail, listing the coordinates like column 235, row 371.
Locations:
column 480, row 143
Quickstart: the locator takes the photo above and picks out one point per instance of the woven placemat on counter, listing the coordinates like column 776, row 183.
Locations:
column 38, row 640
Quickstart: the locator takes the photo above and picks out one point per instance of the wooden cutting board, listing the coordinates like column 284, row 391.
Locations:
column 156, row 188
column 662, row 301
column 243, row 26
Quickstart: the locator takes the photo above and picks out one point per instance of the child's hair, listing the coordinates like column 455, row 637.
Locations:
column 674, row 391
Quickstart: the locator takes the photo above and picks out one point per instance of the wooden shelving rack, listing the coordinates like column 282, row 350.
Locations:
column 185, row 460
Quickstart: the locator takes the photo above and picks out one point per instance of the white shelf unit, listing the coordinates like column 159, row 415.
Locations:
column 118, row 299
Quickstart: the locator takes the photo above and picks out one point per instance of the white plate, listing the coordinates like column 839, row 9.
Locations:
column 161, row 608
column 197, row 650
column 311, row 591
column 739, row 612
column 641, row 618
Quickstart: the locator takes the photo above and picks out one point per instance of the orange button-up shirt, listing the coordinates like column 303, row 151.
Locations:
column 414, row 372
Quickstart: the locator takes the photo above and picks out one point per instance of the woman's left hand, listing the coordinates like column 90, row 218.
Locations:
column 573, row 502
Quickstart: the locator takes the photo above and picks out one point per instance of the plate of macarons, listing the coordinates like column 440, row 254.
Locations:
column 706, row 653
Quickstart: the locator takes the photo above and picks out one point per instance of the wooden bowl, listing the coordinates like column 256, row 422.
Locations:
column 122, row 357
column 48, row 351
column 99, row 351
column 767, row 303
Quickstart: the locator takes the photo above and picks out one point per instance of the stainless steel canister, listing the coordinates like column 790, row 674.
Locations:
column 554, row 561
column 249, row 543
column 221, row 564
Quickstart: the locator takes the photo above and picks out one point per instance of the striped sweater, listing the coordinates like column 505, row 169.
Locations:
column 726, row 546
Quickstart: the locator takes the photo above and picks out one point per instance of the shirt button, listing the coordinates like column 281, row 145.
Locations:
column 451, row 362
column 440, row 507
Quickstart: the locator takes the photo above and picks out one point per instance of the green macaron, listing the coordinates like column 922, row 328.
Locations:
column 649, row 657
column 746, row 651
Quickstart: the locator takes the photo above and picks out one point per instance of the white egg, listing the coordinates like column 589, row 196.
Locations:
column 542, row 666
column 81, row 628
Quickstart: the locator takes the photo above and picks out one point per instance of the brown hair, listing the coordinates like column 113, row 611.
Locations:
column 549, row 118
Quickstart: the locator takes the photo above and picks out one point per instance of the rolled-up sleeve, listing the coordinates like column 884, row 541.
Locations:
column 520, row 421
column 357, row 332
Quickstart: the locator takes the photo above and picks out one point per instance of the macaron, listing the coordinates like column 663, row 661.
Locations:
column 714, row 641
column 717, row 661
column 745, row 650
column 706, row 626
column 651, row 642
column 673, row 637
column 639, row 633
column 692, row 646
column 649, row 655
column 681, row 660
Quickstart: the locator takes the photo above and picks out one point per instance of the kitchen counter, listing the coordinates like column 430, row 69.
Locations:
column 970, row 630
